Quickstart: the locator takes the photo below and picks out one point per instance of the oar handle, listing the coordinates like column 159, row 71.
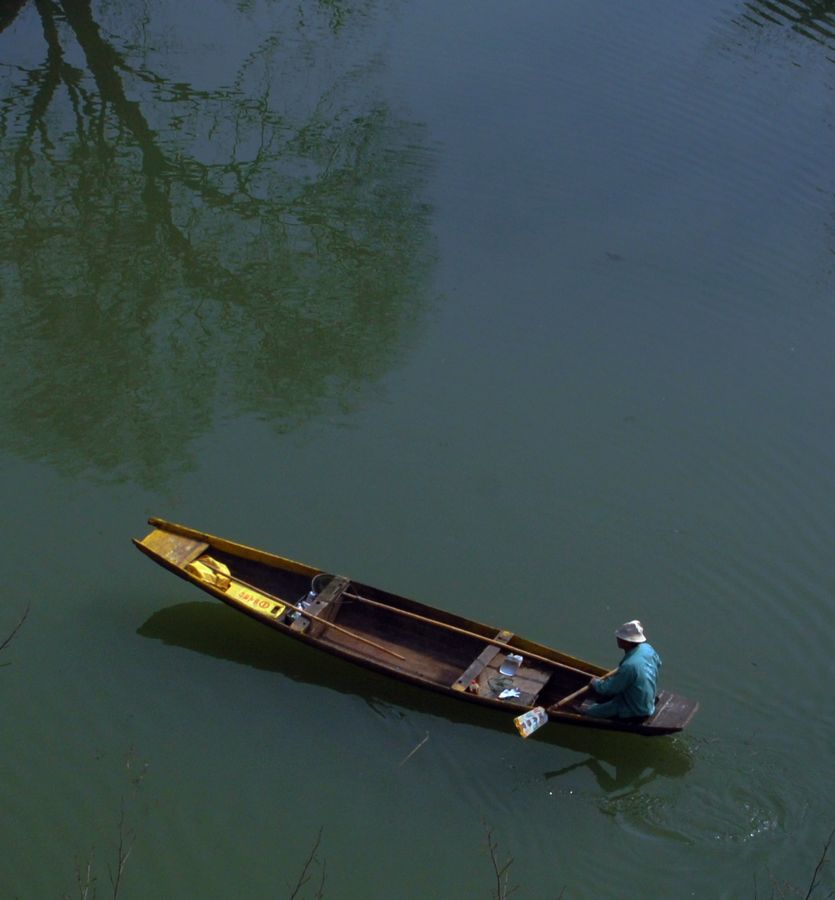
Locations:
column 529, row 654
column 576, row 694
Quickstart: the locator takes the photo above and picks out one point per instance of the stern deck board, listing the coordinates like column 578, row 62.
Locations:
column 673, row 711
column 175, row 549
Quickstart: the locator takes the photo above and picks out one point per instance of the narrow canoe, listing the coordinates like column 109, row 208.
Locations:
column 391, row 634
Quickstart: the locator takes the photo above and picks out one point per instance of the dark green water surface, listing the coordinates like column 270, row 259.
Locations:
column 525, row 310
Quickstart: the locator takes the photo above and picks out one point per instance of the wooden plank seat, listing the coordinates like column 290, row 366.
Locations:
column 477, row 666
column 325, row 606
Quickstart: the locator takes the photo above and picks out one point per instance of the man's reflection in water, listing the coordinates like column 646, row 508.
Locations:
column 633, row 769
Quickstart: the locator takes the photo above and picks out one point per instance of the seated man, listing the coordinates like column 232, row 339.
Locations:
column 632, row 687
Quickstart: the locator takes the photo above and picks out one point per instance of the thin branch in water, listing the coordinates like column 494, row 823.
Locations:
column 410, row 755
column 320, row 891
column 816, row 874
column 501, row 870
column 784, row 889
column 15, row 630
column 126, row 838
column 86, row 880
column 304, row 877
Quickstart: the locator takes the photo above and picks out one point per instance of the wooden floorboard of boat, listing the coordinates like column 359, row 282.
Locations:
column 414, row 662
column 444, row 673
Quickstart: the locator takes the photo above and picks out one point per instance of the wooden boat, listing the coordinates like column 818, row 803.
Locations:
column 394, row 635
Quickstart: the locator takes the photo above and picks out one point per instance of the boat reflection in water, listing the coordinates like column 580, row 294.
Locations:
column 619, row 762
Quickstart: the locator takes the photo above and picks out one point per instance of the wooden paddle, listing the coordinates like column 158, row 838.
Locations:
column 527, row 728
column 565, row 700
column 482, row 637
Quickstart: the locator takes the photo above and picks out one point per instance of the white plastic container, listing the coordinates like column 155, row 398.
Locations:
column 511, row 664
column 529, row 722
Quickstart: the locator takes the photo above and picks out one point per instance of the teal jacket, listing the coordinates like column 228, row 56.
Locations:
column 632, row 687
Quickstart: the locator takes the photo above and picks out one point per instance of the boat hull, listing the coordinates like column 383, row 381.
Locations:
column 390, row 634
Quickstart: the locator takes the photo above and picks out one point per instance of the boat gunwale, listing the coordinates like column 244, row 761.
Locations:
column 396, row 601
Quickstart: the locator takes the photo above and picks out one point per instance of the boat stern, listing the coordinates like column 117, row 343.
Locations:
column 173, row 550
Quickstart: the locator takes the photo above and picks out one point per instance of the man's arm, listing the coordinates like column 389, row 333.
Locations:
column 614, row 684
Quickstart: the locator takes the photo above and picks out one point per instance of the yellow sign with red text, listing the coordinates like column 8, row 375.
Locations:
column 246, row 596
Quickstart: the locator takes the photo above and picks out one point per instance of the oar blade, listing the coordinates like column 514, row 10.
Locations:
column 530, row 721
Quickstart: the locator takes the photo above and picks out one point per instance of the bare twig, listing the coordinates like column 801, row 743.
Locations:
column 304, row 877
column 784, row 889
column 816, row 874
column 85, row 879
column 136, row 768
column 85, row 872
column 501, row 870
column 320, row 891
column 15, row 630
column 778, row 889
column 410, row 755
column 126, row 838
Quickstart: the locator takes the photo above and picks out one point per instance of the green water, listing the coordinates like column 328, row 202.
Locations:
column 523, row 310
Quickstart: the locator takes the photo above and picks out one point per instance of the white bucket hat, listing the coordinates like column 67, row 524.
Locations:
column 631, row 631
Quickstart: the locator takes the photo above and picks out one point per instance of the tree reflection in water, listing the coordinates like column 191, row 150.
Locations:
column 172, row 253
column 813, row 19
